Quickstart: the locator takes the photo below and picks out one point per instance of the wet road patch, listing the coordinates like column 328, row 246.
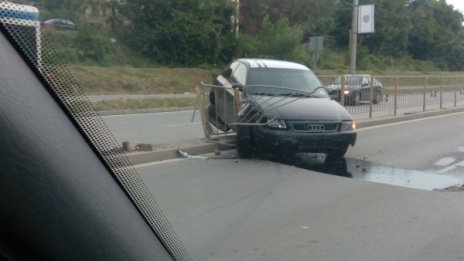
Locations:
column 375, row 172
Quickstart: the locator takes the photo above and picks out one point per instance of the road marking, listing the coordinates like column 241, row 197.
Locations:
column 459, row 164
column 444, row 162
column 409, row 121
column 461, row 149
column 149, row 164
column 183, row 124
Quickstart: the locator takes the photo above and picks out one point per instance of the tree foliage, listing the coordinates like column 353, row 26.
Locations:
column 277, row 40
column 181, row 31
column 193, row 32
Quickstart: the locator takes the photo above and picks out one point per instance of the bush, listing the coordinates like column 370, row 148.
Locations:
column 92, row 44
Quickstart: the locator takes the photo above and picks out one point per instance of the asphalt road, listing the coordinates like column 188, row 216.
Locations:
column 230, row 209
column 155, row 128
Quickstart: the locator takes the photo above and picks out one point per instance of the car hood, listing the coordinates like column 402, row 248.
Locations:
column 291, row 108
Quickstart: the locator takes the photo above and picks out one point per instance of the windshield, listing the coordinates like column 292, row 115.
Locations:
column 351, row 80
column 299, row 80
column 263, row 162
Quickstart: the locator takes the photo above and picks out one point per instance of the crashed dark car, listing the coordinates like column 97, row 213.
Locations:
column 357, row 89
column 283, row 108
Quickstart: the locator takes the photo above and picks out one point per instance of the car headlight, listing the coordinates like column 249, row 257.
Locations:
column 348, row 125
column 346, row 92
column 277, row 124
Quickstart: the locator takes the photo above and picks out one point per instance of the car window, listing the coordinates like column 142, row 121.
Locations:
column 300, row 80
column 354, row 79
column 240, row 74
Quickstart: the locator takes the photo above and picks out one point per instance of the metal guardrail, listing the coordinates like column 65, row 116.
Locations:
column 407, row 94
column 401, row 95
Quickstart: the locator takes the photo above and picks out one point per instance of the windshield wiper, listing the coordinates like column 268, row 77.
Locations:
column 295, row 94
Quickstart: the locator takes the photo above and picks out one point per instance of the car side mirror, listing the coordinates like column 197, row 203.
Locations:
column 236, row 85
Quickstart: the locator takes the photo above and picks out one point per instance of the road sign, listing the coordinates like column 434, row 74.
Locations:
column 366, row 21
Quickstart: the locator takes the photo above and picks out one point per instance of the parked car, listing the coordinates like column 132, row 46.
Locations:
column 357, row 89
column 284, row 107
column 61, row 24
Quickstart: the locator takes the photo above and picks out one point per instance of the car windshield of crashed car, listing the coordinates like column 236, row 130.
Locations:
column 297, row 80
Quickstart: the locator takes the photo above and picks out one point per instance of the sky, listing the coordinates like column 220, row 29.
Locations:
column 458, row 4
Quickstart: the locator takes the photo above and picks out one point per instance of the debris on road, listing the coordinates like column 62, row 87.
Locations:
column 188, row 156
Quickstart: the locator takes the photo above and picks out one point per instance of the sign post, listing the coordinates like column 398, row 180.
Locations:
column 316, row 45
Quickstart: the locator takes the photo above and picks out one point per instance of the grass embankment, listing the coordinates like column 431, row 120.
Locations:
column 127, row 80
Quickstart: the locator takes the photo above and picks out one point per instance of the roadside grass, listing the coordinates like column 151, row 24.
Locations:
column 127, row 80
column 149, row 103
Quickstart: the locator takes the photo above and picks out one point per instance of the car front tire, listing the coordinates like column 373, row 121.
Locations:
column 244, row 142
column 338, row 152
column 377, row 97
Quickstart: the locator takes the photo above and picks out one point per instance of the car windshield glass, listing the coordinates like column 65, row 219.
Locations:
column 299, row 80
column 353, row 79
column 269, row 90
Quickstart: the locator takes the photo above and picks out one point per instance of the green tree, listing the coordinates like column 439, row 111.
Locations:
column 277, row 40
column 392, row 28
column 436, row 28
column 70, row 9
column 316, row 17
column 186, row 32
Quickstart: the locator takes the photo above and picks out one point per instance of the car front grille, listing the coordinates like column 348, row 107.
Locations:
column 314, row 127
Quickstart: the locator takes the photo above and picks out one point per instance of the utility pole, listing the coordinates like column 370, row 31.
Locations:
column 354, row 37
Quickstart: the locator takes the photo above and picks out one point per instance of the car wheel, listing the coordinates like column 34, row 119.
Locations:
column 354, row 99
column 377, row 97
column 337, row 153
column 244, row 142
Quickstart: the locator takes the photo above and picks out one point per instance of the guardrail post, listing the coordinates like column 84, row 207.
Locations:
column 441, row 92
column 395, row 98
column 455, row 90
column 371, row 96
column 342, row 90
column 424, row 94
column 203, row 112
column 237, row 101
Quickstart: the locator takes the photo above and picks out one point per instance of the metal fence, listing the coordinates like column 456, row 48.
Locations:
column 400, row 95
column 403, row 95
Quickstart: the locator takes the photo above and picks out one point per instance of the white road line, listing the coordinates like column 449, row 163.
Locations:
column 149, row 164
column 444, row 162
column 460, row 149
column 459, row 164
column 409, row 121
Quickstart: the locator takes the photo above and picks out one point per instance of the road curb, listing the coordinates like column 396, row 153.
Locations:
column 138, row 158
column 413, row 116
column 140, row 111
column 206, row 147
